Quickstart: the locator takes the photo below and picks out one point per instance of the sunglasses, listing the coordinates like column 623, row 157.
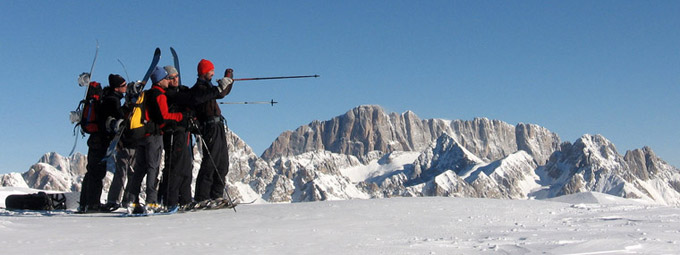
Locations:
column 172, row 77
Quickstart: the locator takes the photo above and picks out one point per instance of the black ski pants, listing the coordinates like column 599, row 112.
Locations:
column 91, row 191
column 175, row 188
column 210, row 181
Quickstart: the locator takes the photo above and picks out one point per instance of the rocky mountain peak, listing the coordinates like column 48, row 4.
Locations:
column 368, row 128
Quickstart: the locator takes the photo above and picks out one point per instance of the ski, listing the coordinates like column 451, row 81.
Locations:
column 83, row 80
column 112, row 147
column 175, row 60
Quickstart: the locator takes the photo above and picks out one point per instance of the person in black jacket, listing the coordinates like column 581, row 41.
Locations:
column 175, row 188
column 125, row 149
column 148, row 151
column 210, row 182
column 110, row 115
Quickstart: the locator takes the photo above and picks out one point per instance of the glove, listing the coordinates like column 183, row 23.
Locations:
column 187, row 118
column 192, row 123
column 225, row 84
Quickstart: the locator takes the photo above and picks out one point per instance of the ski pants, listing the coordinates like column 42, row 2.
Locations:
column 91, row 191
column 175, row 186
column 210, row 182
column 147, row 163
column 124, row 170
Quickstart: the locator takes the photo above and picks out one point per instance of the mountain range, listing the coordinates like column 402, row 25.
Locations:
column 369, row 153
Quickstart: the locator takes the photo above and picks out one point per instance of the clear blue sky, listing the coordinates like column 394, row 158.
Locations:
column 574, row 67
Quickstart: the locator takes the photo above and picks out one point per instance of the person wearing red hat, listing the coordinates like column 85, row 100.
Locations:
column 210, row 182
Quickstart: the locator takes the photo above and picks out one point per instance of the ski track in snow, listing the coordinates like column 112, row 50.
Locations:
column 429, row 225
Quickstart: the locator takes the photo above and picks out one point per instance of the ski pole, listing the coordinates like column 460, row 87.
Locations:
column 277, row 77
column 212, row 160
column 124, row 69
column 272, row 102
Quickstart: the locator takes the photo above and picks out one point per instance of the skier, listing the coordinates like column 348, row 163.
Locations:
column 175, row 188
column 110, row 118
column 148, row 150
column 125, row 151
column 210, row 182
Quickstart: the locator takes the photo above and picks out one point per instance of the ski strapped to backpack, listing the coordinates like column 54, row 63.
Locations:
column 77, row 115
column 175, row 61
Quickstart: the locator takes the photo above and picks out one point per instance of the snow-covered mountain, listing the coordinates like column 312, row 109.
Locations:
column 592, row 163
column 368, row 153
column 366, row 129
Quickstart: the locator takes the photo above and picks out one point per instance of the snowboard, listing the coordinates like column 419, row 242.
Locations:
column 37, row 201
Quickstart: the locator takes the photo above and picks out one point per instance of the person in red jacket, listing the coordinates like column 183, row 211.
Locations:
column 148, row 151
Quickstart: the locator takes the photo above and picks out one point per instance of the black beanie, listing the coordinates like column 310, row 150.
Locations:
column 116, row 81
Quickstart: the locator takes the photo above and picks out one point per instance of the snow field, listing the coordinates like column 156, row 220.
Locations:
column 586, row 224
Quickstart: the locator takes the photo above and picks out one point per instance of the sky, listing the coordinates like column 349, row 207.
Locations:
column 574, row 67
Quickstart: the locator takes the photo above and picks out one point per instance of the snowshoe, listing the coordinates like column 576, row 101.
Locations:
column 135, row 208
column 152, row 208
column 110, row 207
column 82, row 209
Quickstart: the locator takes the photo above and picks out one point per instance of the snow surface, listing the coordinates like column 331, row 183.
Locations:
column 390, row 163
column 585, row 223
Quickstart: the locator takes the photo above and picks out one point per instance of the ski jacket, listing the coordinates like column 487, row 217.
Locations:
column 109, row 107
column 156, row 112
column 179, row 99
column 205, row 96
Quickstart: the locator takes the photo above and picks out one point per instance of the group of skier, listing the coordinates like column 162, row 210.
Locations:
column 170, row 114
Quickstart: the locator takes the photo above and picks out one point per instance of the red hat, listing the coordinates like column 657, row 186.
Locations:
column 205, row 66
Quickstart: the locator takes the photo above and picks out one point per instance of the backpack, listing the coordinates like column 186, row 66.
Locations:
column 137, row 129
column 88, row 120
